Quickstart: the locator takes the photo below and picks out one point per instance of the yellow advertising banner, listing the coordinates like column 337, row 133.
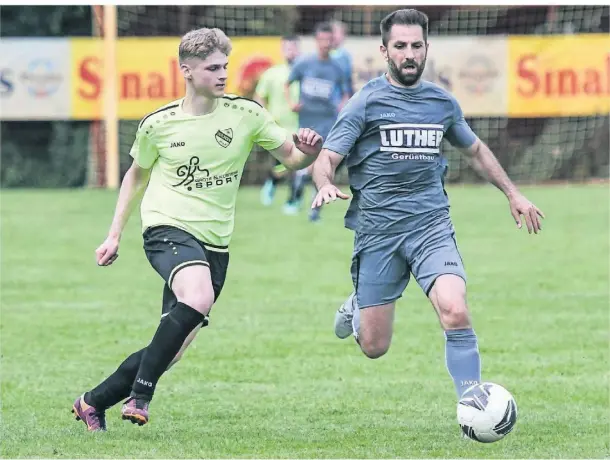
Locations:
column 559, row 76
column 148, row 74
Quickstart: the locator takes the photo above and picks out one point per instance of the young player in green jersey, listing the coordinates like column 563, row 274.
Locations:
column 270, row 94
column 188, row 158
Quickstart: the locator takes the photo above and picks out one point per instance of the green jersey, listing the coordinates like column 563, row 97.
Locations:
column 271, row 88
column 197, row 164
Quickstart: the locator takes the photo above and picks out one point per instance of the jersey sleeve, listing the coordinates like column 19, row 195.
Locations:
column 268, row 134
column 144, row 150
column 459, row 134
column 296, row 72
column 348, row 127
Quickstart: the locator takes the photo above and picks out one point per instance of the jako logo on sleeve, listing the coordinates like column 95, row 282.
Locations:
column 411, row 138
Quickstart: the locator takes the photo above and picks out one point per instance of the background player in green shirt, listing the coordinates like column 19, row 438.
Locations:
column 270, row 94
column 188, row 158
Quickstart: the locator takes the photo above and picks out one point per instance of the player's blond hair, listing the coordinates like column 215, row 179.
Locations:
column 200, row 43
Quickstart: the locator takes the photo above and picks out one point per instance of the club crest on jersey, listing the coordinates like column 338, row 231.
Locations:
column 224, row 137
column 411, row 141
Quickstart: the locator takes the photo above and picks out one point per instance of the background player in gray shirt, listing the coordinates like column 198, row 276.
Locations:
column 323, row 93
column 390, row 133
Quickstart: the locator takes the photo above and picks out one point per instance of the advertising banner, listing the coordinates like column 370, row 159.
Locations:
column 559, row 75
column 473, row 69
column 34, row 79
column 149, row 75
column 533, row 76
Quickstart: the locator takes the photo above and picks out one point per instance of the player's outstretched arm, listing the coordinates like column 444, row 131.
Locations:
column 300, row 151
column 132, row 188
column 487, row 165
column 323, row 176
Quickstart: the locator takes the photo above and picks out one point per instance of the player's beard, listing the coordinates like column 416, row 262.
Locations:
column 406, row 80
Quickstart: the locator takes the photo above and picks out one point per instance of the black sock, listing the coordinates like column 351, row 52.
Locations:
column 170, row 335
column 116, row 387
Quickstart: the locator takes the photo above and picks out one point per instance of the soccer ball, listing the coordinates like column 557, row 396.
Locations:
column 487, row 412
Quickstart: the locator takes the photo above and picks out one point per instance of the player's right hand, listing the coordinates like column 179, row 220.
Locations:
column 107, row 252
column 296, row 107
column 327, row 194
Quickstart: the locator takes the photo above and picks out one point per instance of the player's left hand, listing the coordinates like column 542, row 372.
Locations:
column 326, row 194
column 308, row 141
column 521, row 206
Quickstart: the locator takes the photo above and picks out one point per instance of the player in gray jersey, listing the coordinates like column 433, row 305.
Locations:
column 390, row 134
column 323, row 92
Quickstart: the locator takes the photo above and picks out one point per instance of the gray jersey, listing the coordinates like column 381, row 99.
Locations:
column 392, row 139
column 320, row 83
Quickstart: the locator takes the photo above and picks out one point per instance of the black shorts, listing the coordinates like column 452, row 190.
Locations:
column 170, row 249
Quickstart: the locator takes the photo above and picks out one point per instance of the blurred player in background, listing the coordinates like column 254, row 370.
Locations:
column 390, row 133
column 270, row 94
column 342, row 56
column 188, row 158
column 320, row 78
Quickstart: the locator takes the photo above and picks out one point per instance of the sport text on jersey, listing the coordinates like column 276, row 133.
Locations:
column 411, row 141
column 195, row 177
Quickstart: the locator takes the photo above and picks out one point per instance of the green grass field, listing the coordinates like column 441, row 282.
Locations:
column 268, row 379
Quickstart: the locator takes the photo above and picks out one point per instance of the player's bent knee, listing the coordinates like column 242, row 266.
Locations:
column 201, row 301
column 193, row 287
column 448, row 295
column 456, row 317
column 375, row 333
column 375, row 347
column 374, row 350
column 453, row 312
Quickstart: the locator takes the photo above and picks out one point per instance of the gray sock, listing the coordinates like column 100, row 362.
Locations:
column 462, row 358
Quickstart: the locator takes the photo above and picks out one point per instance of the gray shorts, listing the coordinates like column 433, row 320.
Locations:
column 382, row 264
